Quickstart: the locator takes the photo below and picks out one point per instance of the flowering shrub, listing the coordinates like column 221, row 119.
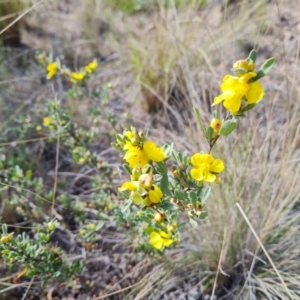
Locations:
column 163, row 184
column 55, row 67
column 163, row 193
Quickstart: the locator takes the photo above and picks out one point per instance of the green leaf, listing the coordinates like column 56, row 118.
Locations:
column 265, row 69
column 194, row 199
column 28, row 174
column 203, row 215
column 198, row 116
column 193, row 223
column 227, row 127
column 205, row 196
column 127, row 168
column 252, row 55
column 268, row 65
column 209, row 133
column 126, row 205
column 248, row 107
column 149, row 229
column 179, row 155
column 164, row 184
column 215, row 114
column 179, row 194
column 162, row 168
column 146, row 219
column 168, row 206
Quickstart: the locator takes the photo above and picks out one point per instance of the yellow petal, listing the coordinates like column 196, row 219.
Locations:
column 209, row 177
column 197, row 160
column 197, row 174
column 255, row 92
column 127, row 186
column 233, row 102
column 155, row 195
column 167, row 242
column 217, row 166
column 218, row 99
column 156, row 240
column 164, row 234
column 153, row 152
column 137, row 198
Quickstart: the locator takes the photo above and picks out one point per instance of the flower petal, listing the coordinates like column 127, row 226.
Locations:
column 217, row 166
column 255, row 92
column 153, row 152
column 197, row 174
column 156, row 240
column 197, row 160
column 209, row 177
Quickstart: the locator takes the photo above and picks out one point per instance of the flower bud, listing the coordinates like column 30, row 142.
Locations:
column 139, row 213
column 141, row 135
column 190, row 206
column 4, row 240
column 217, row 180
column 216, row 124
column 50, row 226
column 146, row 180
column 159, row 217
column 92, row 226
column 135, row 174
column 170, row 228
column 176, row 173
column 173, row 200
column 243, row 66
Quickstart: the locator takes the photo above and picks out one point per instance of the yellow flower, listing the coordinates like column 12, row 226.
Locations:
column 7, row 238
column 75, row 77
column 48, row 122
column 91, row 66
column 160, row 239
column 136, row 156
column 235, row 89
column 137, row 191
column 205, row 167
column 155, row 194
column 52, row 69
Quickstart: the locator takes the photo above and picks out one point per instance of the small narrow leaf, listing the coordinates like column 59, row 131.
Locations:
column 179, row 194
column 209, row 133
column 127, row 168
column 248, row 107
column 203, row 215
column 205, row 196
column 162, row 167
column 227, row 127
column 164, row 183
column 168, row 206
column 193, row 223
column 268, row 65
column 126, row 205
column 264, row 69
column 194, row 199
column 252, row 55
column 198, row 116
column 28, row 174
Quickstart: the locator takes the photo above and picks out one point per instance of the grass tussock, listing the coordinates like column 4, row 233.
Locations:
column 9, row 11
